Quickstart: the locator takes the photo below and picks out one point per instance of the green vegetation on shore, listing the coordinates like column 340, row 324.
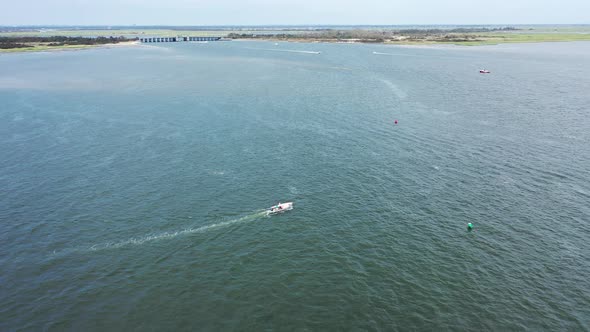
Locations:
column 40, row 39
column 30, row 43
column 495, row 38
column 379, row 35
column 41, row 48
column 457, row 36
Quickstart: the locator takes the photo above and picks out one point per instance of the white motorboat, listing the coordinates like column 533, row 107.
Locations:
column 280, row 208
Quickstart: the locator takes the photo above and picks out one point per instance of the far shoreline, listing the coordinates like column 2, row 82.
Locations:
column 401, row 43
column 415, row 43
column 66, row 48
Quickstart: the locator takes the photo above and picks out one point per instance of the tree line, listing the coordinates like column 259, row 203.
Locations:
column 375, row 35
column 28, row 41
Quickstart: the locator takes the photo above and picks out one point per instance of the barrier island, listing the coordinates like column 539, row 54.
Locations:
column 18, row 39
column 34, row 43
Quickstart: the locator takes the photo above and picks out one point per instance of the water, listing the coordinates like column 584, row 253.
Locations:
column 134, row 181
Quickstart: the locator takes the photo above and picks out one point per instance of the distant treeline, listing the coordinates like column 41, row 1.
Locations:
column 377, row 36
column 455, row 30
column 20, row 42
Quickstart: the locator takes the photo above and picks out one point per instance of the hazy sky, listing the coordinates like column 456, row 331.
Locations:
column 258, row 12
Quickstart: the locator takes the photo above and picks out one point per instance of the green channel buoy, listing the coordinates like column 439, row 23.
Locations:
column 469, row 226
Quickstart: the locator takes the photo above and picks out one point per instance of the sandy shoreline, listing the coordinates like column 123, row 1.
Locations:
column 65, row 48
column 401, row 44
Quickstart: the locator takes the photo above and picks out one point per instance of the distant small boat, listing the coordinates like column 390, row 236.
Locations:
column 280, row 208
column 484, row 71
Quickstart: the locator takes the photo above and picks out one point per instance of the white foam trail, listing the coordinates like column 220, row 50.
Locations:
column 171, row 235
column 290, row 51
column 392, row 54
column 399, row 93
column 164, row 236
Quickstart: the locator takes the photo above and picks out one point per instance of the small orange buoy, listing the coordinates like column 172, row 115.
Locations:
column 395, row 121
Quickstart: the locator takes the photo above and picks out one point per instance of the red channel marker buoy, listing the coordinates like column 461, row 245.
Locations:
column 395, row 121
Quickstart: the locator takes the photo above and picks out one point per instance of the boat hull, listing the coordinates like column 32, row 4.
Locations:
column 280, row 208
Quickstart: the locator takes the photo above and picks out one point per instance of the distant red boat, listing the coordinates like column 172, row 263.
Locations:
column 484, row 71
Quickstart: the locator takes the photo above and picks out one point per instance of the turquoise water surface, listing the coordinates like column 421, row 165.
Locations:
column 133, row 183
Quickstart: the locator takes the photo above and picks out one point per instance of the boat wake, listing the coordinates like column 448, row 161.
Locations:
column 399, row 93
column 135, row 241
column 392, row 54
column 289, row 51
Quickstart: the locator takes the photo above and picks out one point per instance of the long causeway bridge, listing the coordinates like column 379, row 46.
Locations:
column 176, row 39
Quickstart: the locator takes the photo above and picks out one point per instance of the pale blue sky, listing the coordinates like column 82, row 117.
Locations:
column 268, row 12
